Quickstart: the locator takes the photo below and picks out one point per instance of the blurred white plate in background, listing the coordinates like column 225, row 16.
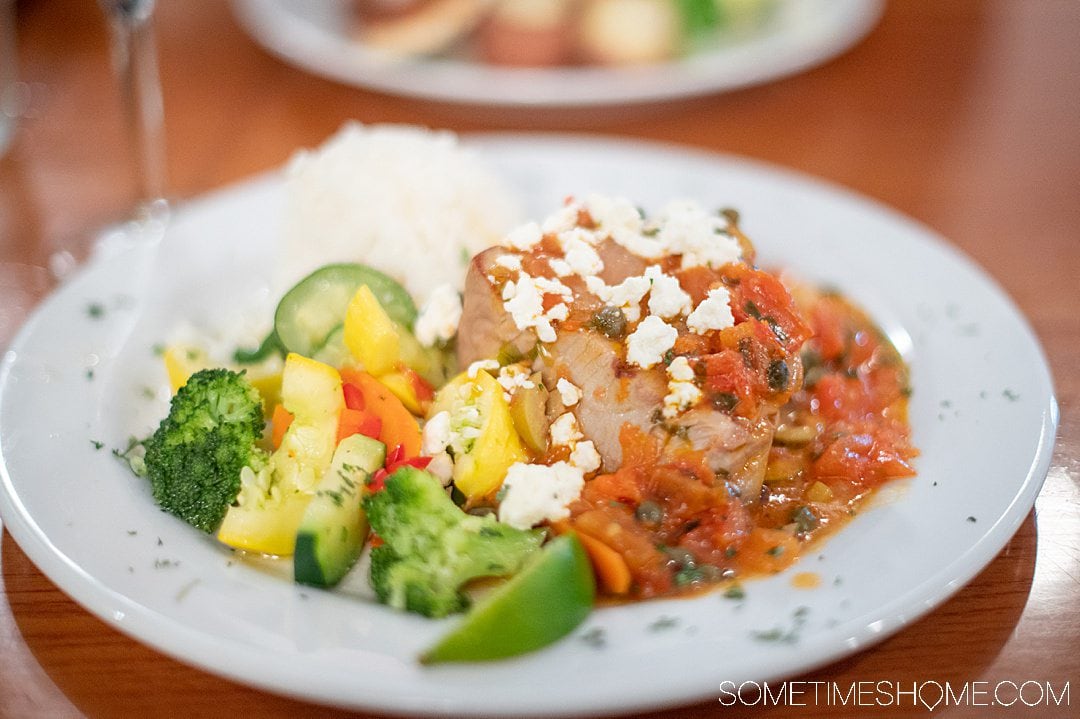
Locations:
column 316, row 35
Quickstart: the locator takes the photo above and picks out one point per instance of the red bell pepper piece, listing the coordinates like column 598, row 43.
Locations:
column 354, row 398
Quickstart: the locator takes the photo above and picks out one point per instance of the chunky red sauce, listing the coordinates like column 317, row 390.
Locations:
column 841, row 431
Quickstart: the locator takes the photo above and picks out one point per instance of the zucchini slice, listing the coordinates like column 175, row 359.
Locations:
column 334, row 527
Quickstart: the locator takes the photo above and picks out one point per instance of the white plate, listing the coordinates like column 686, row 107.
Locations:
column 314, row 35
column 983, row 414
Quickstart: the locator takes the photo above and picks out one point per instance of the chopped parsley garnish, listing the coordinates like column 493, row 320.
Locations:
column 186, row 589
column 776, row 634
column 595, row 638
column 663, row 623
column 805, row 520
column 782, row 635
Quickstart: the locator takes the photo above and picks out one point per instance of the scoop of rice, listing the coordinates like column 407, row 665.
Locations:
column 406, row 200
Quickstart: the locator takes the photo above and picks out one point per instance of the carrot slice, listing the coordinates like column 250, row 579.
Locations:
column 610, row 568
column 355, row 421
column 279, row 422
column 398, row 424
column 609, row 565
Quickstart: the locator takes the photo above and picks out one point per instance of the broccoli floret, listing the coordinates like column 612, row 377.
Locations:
column 194, row 459
column 431, row 548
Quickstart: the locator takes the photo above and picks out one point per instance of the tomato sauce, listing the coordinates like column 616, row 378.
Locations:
column 841, row 431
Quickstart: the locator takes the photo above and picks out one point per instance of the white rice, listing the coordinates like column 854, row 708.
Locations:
column 406, row 200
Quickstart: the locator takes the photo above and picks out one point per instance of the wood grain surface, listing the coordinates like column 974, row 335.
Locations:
column 964, row 115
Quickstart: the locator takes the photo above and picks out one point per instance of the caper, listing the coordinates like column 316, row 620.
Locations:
column 778, row 375
column 679, row 557
column 649, row 513
column 724, row 401
column 699, row 574
column 609, row 321
column 804, row 518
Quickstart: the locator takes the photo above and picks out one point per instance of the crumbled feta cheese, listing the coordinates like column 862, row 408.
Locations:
column 481, row 366
column 514, row 377
column 581, row 257
column 585, row 457
column 563, row 219
column 626, row 295
column 524, row 237
column 613, row 213
column 682, row 392
column 534, row 493
column 700, row 237
column 552, row 287
column 436, row 435
column 630, row 291
column 510, row 291
column 564, row 430
column 666, row 297
column 621, row 220
column 649, row 248
column 524, row 301
column 569, row 392
column 680, row 370
column 442, row 466
column 576, row 236
column 647, row 344
column 558, row 312
column 560, row 267
column 544, row 331
column 598, row 287
column 713, row 313
column 439, row 319
column 510, row 262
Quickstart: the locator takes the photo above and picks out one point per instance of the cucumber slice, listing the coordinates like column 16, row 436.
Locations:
column 334, row 528
column 269, row 346
column 311, row 311
column 334, row 352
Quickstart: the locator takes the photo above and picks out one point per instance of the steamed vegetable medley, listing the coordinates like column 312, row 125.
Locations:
column 616, row 406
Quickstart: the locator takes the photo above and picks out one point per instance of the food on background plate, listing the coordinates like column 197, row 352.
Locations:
column 418, row 27
column 619, row 406
column 545, row 33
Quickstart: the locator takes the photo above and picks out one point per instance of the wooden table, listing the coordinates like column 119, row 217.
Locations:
column 964, row 115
